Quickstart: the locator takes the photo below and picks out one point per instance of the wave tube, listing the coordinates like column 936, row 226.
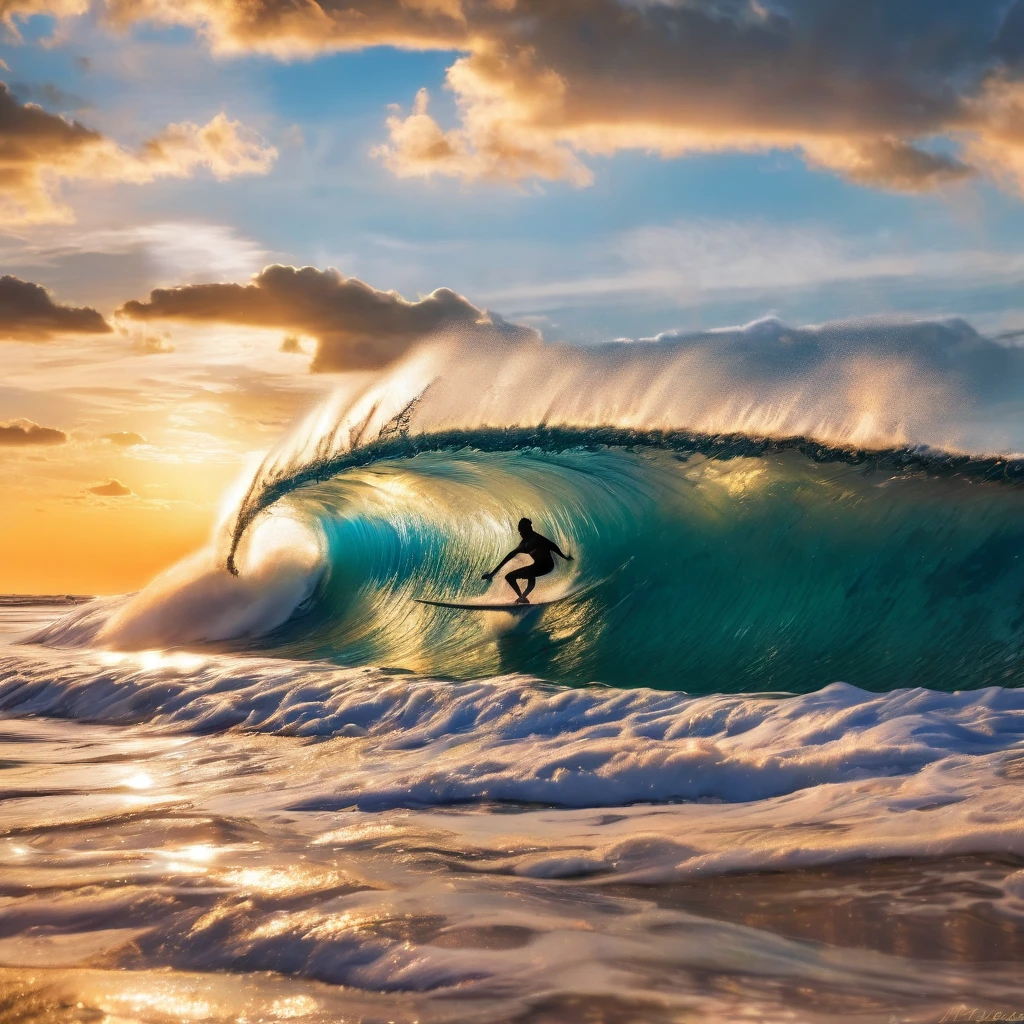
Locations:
column 858, row 385
column 748, row 574
column 836, row 515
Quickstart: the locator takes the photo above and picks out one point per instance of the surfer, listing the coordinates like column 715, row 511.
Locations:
column 539, row 549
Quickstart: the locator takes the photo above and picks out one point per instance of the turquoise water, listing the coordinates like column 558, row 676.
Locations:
column 774, row 572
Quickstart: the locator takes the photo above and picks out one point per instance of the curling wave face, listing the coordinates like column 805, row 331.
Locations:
column 759, row 510
column 769, row 573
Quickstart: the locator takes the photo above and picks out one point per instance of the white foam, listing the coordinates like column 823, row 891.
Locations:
column 368, row 852
column 197, row 600
column 913, row 771
column 876, row 383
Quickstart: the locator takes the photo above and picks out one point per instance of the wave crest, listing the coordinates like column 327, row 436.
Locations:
column 872, row 384
column 710, row 556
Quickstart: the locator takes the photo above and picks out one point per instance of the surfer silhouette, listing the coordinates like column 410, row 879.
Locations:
column 540, row 550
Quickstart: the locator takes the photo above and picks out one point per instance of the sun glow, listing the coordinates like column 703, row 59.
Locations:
column 173, row 1004
column 293, row 1006
column 189, row 860
column 153, row 660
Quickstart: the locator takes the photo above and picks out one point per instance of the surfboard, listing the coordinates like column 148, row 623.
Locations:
column 511, row 606
column 492, row 606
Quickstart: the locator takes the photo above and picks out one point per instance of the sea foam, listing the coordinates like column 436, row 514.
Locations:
column 907, row 772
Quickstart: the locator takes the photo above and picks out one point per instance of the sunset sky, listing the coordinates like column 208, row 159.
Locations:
column 209, row 210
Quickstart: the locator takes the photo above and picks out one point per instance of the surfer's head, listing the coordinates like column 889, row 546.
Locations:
column 525, row 527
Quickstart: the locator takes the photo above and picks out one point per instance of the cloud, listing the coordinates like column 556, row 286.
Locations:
column 39, row 150
column 356, row 326
column 939, row 366
column 28, row 313
column 487, row 146
column 768, row 347
column 109, row 264
column 12, row 11
column 178, row 249
column 907, row 96
column 18, row 433
column 288, row 29
column 291, row 344
column 688, row 262
column 111, row 489
column 124, row 438
column 888, row 164
column 145, row 343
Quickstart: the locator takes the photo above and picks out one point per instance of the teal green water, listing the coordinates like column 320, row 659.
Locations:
column 748, row 574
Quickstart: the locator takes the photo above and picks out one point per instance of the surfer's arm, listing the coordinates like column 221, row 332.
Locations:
column 558, row 551
column 508, row 558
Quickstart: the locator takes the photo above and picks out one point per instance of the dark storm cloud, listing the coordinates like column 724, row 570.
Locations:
column 29, row 313
column 356, row 326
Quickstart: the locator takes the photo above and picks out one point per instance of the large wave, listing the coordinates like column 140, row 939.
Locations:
column 761, row 509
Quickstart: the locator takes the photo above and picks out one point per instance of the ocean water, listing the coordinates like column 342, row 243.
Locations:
column 764, row 764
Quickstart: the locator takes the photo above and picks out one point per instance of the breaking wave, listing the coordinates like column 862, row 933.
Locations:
column 757, row 510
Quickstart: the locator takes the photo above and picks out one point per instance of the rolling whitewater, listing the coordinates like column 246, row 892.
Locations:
column 756, row 753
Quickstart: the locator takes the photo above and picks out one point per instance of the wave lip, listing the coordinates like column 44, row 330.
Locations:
column 918, row 459
column 866, row 384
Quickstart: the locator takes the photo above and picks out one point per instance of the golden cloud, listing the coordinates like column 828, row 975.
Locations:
column 39, row 150
column 12, row 11
column 998, row 145
column 125, row 438
column 28, row 313
column 147, row 344
column 356, row 326
column 303, row 28
column 887, row 95
column 110, row 489
column 20, row 433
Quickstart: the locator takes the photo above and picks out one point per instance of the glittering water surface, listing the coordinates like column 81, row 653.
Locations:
column 214, row 837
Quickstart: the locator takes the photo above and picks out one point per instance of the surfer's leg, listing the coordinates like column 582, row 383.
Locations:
column 527, row 573
column 510, row 579
column 530, row 574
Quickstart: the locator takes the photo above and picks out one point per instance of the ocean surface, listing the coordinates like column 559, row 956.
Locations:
column 765, row 763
